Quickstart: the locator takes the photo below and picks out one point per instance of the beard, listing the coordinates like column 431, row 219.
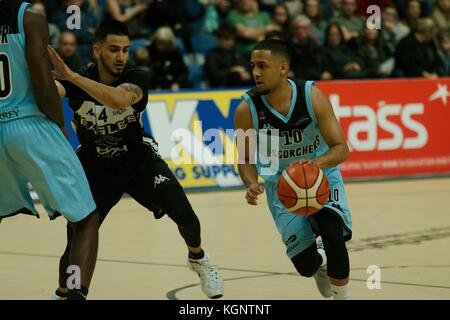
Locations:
column 109, row 70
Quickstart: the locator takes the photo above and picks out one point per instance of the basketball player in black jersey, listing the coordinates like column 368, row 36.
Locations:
column 107, row 101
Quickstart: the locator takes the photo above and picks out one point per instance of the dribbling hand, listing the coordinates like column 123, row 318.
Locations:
column 253, row 192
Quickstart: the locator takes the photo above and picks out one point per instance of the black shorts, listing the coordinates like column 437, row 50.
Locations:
column 146, row 179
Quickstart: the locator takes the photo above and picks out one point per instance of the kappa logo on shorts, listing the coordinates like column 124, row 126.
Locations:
column 291, row 239
column 160, row 179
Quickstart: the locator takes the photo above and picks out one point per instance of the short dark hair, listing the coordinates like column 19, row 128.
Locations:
column 226, row 31
column 276, row 47
column 108, row 27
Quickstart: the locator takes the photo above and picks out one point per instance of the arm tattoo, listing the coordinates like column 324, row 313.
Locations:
column 136, row 92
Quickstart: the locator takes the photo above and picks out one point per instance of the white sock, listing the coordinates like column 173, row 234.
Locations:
column 324, row 257
column 341, row 292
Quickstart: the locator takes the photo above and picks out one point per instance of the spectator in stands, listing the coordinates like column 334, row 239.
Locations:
column 224, row 67
column 67, row 49
column 426, row 7
column 171, row 13
column 307, row 58
column 441, row 14
column 132, row 13
column 251, row 25
column 281, row 18
column 166, row 62
column 391, row 29
column 372, row 55
column 413, row 11
column 444, row 52
column 349, row 21
column 341, row 61
column 85, row 34
column 53, row 30
column 315, row 14
column 332, row 9
column 128, row 11
column 416, row 54
column 295, row 7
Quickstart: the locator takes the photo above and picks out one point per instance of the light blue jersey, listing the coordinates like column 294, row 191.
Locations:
column 32, row 147
column 17, row 98
column 298, row 138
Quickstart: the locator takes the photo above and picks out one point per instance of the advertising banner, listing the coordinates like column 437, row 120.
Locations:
column 394, row 128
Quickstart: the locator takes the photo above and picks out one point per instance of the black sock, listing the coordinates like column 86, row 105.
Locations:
column 60, row 294
column 196, row 256
column 78, row 294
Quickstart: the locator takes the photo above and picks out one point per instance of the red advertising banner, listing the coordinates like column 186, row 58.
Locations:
column 393, row 127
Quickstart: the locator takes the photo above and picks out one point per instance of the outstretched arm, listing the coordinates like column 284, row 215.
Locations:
column 117, row 98
column 331, row 131
column 36, row 37
column 246, row 145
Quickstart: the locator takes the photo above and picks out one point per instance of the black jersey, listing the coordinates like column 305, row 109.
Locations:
column 108, row 135
column 268, row 117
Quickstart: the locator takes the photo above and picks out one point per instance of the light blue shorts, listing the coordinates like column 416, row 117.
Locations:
column 299, row 232
column 34, row 150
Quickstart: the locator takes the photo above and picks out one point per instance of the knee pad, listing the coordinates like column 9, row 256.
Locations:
column 308, row 261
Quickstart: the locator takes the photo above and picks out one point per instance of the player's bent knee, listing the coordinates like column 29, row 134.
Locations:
column 307, row 262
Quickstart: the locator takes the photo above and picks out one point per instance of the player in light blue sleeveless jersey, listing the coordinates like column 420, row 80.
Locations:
column 33, row 148
column 308, row 131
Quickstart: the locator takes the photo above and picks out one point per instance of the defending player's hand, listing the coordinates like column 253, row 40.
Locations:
column 62, row 71
column 253, row 192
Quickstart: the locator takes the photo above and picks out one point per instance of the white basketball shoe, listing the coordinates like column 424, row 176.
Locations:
column 212, row 283
column 321, row 276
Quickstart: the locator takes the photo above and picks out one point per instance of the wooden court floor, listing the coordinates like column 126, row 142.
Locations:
column 403, row 227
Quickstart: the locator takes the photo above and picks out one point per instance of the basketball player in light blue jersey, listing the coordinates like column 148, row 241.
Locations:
column 32, row 144
column 307, row 131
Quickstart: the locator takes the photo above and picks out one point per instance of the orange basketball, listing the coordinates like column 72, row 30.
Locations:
column 303, row 188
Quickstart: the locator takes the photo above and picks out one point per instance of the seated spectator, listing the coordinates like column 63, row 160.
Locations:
column 413, row 11
column 132, row 13
column 128, row 11
column 171, row 13
column 441, row 14
column 67, row 49
column 426, row 7
column 349, row 21
column 331, row 9
column 281, row 18
column 294, row 7
column 416, row 54
column 444, row 52
column 250, row 23
column 224, row 67
column 315, row 14
column 307, row 58
column 53, row 31
column 166, row 62
column 371, row 54
column 391, row 29
column 341, row 61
